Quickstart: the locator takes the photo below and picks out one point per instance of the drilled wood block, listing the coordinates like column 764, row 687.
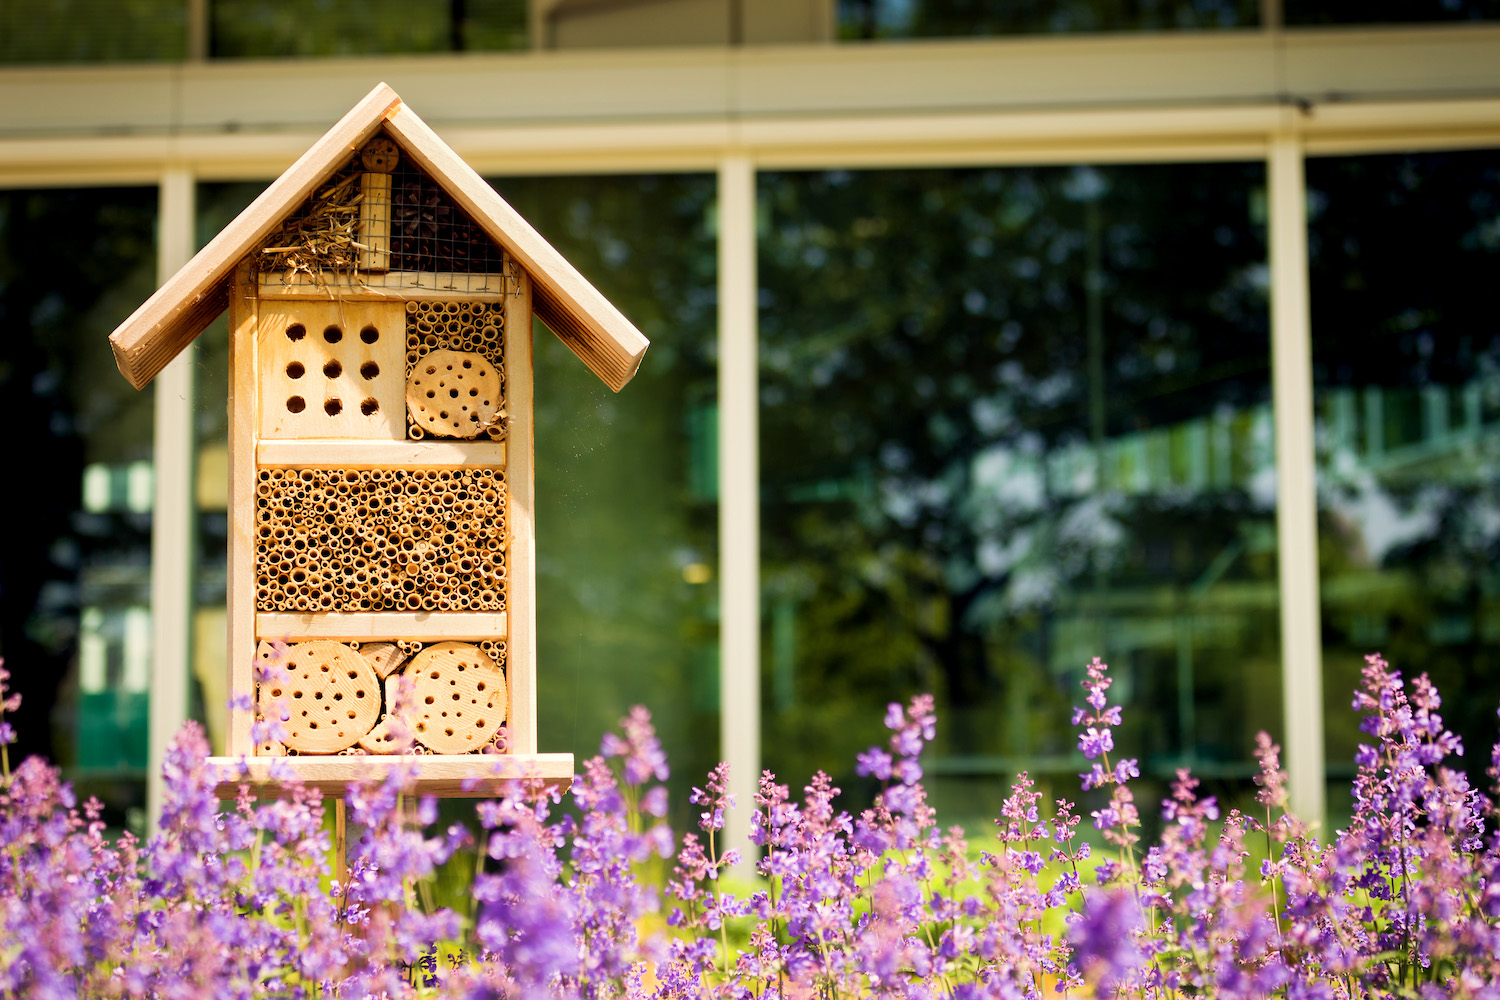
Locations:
column 332, row 370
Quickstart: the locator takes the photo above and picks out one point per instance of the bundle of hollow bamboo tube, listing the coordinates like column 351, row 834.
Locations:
column 380, row 540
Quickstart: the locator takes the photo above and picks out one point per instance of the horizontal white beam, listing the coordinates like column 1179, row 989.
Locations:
column 1101, row 136
column 1193, row 95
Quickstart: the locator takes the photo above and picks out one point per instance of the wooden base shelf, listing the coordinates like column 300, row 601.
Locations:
column 446, row 776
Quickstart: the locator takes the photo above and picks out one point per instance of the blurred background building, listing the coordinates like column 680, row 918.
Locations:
column 988, row 336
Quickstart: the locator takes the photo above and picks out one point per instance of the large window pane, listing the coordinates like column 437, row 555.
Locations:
column 75, row 625
column 626, row 486
column 1010, row 420
column 1406, row 359
column 865, row 19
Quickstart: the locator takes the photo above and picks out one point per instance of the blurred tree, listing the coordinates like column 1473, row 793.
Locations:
column 987, row 399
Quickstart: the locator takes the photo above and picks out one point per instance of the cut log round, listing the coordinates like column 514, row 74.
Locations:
column 380, row 739
column 454, row 393
column 460, row 697
column 384, row 657
column 333, row 697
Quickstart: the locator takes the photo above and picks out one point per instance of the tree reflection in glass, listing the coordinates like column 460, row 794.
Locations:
column 1404, row 253
column 1013, row 419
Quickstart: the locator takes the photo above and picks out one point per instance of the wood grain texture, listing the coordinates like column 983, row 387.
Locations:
column 520, row 665
column 448, row 776
column 419, row 625
column 332, row 370
column 598, row 333
column 353, row 454
column 375, row 221
column 243, row 306
column 393, row 286
column 385, row 657
column 155, row 332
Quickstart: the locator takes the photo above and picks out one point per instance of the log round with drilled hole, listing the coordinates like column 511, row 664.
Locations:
column 331, row 694
column 460, row 697
column 454, row 393
column 381, row 739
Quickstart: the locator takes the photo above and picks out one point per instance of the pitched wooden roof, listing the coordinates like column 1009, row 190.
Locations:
column 571, row 307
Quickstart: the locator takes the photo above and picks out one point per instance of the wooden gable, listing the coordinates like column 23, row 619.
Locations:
column 563, row 299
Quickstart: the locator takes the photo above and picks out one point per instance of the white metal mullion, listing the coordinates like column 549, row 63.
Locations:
column 172, row 504
column 739, row 496
column 1296, row 479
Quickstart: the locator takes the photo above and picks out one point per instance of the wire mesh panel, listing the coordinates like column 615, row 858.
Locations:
column 382, row 219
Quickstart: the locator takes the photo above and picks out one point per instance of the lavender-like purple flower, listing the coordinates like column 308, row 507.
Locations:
column 240, row 900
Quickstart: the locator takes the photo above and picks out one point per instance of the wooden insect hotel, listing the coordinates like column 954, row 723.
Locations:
column 382, row 554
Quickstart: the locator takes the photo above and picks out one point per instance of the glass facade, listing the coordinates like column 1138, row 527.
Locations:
column 75, row 621
column 1404, row 254
column 276, row 28
column 876, row 19
column 1011, row 420
column 92, row 31
column 1310, row 12
column 133, row 31
column 1010, row 417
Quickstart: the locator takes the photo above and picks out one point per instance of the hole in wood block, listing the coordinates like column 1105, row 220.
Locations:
column 369, row 370
column 333, row 369
column 295, row 370
column 333, row 334
column 370, row 406
column 369, row 334
column 332, row 406
column 295, row 404
column 296, row 332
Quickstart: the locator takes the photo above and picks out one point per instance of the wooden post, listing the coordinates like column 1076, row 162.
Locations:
column 379, row 157
column 340, row 837
column 520, row 479
column 243, row 314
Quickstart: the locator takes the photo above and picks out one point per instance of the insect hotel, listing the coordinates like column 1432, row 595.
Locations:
column 380, row 297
